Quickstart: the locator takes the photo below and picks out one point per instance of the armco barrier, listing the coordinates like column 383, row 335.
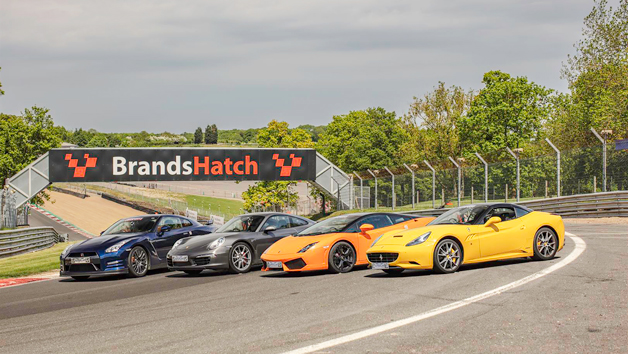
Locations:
column 593, row 205
column 13, row 242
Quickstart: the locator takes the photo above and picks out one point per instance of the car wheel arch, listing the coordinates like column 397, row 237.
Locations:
column 455, row 239
column 149, row 258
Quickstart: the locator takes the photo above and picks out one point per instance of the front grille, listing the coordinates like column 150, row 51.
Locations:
column 295, row 264
column 82, row 254
column 382, row 257
column 81, row 268
column 202, row 261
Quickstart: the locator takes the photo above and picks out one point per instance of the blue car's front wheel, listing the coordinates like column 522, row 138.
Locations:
column 138, row 262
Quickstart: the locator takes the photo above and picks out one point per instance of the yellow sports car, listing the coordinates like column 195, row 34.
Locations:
column 470, row 234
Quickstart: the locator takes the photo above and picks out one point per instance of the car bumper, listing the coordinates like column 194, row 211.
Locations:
column 94, row 273
column 212, row 261
column 297, row 262
column 417, row 258
column 114, row 264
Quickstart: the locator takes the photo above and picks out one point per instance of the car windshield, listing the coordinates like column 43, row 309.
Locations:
column 244, row 223
column 132, row 225
column 465, row 215
column 335, row 224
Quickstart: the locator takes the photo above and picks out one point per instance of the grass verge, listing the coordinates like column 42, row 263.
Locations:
column 32, row 263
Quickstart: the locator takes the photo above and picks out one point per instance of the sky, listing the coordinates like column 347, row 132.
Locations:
column 126, row 66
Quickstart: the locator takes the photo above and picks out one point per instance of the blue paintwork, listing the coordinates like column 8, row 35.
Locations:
column 157, row 246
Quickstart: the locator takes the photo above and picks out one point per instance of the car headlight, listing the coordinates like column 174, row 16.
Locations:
column 115, row 248
column 177, row 243
column 377, row 239
column 217, row 243
column 307, row 247
column 65, row 251
column 419, row 239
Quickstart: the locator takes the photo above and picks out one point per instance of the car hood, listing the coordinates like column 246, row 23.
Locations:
column 103, row 242
column 402, row 237
column 293, row 244
column 196, row 242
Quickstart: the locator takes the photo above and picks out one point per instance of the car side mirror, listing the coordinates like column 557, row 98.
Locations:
column 102, row 232
column 270, row 229
column 163, row 229
column 492, row 220
column 209, row 222
column 364, row 228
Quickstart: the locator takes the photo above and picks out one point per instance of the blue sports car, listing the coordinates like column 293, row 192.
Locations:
column 130, row 246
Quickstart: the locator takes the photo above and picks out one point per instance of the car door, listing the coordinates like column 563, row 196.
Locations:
column 503, row 237
column 282, row 228
column 163, row 242
column 380, row 222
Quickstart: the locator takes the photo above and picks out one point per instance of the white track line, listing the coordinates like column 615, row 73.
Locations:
column 577, row 251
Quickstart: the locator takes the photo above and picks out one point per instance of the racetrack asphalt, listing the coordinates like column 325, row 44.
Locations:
column 580, row 308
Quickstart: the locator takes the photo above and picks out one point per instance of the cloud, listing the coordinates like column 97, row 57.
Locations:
column 173, row 65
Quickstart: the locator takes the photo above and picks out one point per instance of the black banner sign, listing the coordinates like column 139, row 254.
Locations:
column 181, row 164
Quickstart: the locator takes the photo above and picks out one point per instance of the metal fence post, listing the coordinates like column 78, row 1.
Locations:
column 485, row 177
column 459, row 176
column 412, row 172
column 516, row 156
column 361, row 190
column 603, row 140
column 393, row 187
column 433, row 183
column 375, row 177
column 557, row 166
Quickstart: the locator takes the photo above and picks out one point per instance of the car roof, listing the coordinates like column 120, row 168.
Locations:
column 267, row 213
column 498, row 204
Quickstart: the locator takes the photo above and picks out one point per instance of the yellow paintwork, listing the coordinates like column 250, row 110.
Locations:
column 503, row 240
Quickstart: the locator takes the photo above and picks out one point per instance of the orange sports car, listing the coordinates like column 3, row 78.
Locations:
column 337, row 244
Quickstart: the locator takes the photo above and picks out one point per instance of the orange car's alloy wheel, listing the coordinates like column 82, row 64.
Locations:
column 342, row 258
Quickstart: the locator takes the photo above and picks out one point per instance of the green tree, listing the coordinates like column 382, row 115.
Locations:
column 432, row 123
column 214, row 134
column 98, row 140
column 363, row 139
column 24, row 138
column 507, row 112
column 208, row 134
column 1, row 92
column 276, row 194
column 598, row 79
column 198, row 136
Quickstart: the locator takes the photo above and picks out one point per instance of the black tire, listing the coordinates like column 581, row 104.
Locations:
column 341, row 258
column 545, row 244
column 447, row 256
column 240, row 258
column 138, row 262
column 192, row 272
column 80, row 278
column 392, row 271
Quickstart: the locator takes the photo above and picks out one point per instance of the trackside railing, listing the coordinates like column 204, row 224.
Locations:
column 13, row 242
column 592, row 205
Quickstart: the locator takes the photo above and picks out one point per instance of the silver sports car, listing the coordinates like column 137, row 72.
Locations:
column 235, row 246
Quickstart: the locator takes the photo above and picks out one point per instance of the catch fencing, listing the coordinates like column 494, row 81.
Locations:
column 592, row 205
column 581, row 172
column 10, row 216
column 14, row 242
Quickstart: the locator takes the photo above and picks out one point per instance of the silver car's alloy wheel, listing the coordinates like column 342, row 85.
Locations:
column 448, row 255
column 545, row 243
column 241, row 257
column 138, row 261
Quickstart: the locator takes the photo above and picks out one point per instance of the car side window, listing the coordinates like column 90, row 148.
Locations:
column 521, row 212
column 296, row 222
column 185, row 222
column 378, row 221
column 172, row 221
column 396, row 219
column 504, row 213
column 278, row 221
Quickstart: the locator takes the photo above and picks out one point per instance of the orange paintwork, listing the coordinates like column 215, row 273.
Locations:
column 316, row 258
